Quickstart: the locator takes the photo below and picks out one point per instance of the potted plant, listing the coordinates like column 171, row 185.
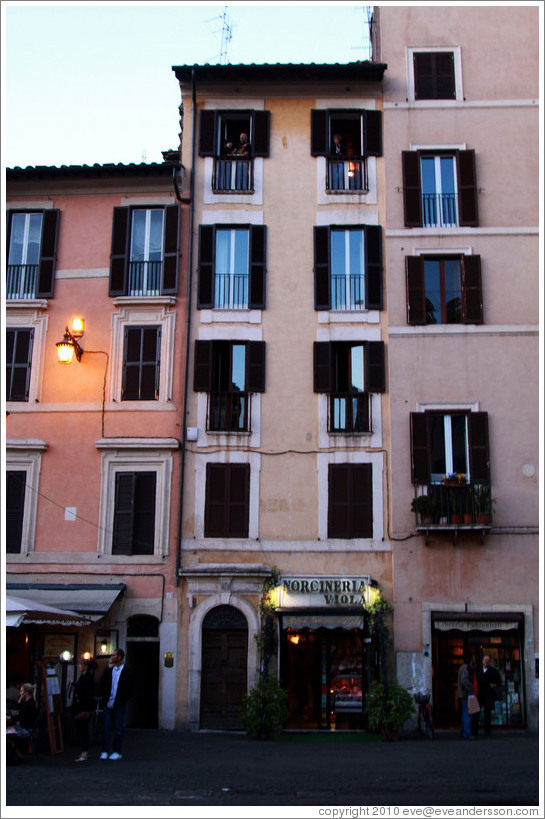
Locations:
column 454, row 479
column 425, row 506
column 455, row 503
column 484, row 502
column 265, row 708
column 388, row 706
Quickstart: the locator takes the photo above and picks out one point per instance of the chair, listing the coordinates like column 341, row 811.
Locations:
column 35, row 740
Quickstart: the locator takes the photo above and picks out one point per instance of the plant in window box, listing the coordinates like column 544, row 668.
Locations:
column 454, row 479
column 426, row 507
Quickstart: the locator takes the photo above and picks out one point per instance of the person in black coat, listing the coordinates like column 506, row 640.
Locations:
column 83, row 705
column 488, row 682
column 115, row 690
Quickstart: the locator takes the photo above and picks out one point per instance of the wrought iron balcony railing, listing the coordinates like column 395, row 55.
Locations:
column 145, row 278
column 229, row 411
column 21, row 281
column 455, row 505
column 347, row 292
column 439, row 209
column 347, row 174
column 233, row 174
column 231, row 291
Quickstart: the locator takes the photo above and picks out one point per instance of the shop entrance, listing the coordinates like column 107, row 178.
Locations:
column 326, row 673
column 224, row 668
column 503, row 645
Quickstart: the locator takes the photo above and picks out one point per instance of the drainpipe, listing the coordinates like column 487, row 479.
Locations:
column 188, row 325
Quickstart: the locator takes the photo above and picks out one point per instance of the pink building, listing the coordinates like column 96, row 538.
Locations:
column 93, row 448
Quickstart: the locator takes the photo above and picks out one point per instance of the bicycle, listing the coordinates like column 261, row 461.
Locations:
column 425, row 714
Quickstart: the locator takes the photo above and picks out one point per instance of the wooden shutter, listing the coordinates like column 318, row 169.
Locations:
column 207, row 133
column 322, row 295
column 261, row 133
column 205, row 287
column 238, row 504
column 472, row 298
column 339, row 496
column 322, row 366
column 256, row 297
column 119, row 252
column 444, row 74
column 416, row 292
column 375, row 374
column 420, row 461
column 203, row 366
column 15, row 507
column 255, row 366
column 123, row 513
column 467, row 189
column 412, row 194
column 372, row 133
column 215, row 500
column 19, row 342
column 350, row 501
column 226, row 507
column 143, row 539
column 361, row 512
column 479, row 452
column 373, row 267
column 48, row 254
column 318, row 132
column 171, row 250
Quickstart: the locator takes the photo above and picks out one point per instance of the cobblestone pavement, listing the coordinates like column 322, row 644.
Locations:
column 177, row 768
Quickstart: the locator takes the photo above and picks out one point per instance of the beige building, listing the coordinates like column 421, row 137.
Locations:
column 287, row 423
column 461, row 259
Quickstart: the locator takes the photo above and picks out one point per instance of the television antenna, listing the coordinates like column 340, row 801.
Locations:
column 226, row 33
column 367, row 36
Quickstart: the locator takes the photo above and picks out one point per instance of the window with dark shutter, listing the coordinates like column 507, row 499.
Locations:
column 440, row 443
column 134, row 513
column 373, row 267
column 350, row 501
column 467, row 189
column 472, row 297
column 255, row 366
column 420, row 461
column 412, row 193
column 231, row 267
column 348, row 267
column 226, row 513
column 31, row 253
column 440, row 189
column 15, row 507
column 18, row 362
column 141, row 359
column 256, row 298
column 479, row 452
column 360, row 129
column 216, row 127
column 434, row 75
column 375, row 380
column 443, row 290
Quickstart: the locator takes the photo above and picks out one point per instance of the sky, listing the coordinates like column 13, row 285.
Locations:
column 87, row 83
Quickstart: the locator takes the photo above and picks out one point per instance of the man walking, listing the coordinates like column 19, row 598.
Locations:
column 115, row 690
column 488, row 680
column 466, row 676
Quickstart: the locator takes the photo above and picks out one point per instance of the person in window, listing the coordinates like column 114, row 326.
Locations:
column 224, row 166
column 336, row 168
column 337, row 146
column 244, row 148
column 84, row 704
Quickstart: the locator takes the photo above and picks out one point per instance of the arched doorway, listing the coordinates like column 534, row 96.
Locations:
column 224, row 667
column 143, row 660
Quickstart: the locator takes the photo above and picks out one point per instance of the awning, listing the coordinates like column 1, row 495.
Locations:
column 93, row 600
column 316, row 621
column 471, row 621
column 19, row 610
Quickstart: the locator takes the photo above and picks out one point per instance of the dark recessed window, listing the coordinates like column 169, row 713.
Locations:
column 350, row 510
column 18, row 363
column 434, row 75
column 227, row 500
column 141, row 354
column 134, row 513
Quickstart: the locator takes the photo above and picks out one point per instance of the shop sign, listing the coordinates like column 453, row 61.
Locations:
column 317, row 592
column 474, row 625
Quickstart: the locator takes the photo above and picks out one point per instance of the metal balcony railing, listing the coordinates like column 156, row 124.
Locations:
column 455, row 504
column 233, row 174
column 21, row 281
column 348, row 174
column 229, row 411
column 439, row 209
column 349, row 412
column 145, row 278
column 347, row 292
column 231, row 291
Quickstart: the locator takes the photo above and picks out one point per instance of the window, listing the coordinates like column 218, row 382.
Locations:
column 346, row 137
column 229, row 371
column 145, row 251
column 134, row 513
column 444, row 289
column 135, row 496
column 350, row 506
column 348, row 268
column 18, row 362
column 349, row 371
column 451, row 442
column 226, row 512
column 434, row 75
column 220, row 137
column 141, row 356
column 15, row 507
column 440, row 189
column 231, row 267
column 31, row 253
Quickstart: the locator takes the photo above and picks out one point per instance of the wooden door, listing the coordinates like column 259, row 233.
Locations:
column 224, row 668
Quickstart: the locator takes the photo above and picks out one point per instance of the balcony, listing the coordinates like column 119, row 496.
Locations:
column 231, row 291
column 439, row 210
column 349, row 413
column 347, row 175
column 347, row 292
column 228, row 411
column 145, row 278
column 21, row 281
column 456, row 507
column 234, row 174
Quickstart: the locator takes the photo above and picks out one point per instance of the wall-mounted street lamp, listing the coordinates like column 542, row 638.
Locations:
column 69, row 344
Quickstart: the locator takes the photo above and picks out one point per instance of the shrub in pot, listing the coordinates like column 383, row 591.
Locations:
column 265, row 708
column 388, row 707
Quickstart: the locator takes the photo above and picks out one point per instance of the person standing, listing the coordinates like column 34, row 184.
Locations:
column 84, row 705
column 488, row 681
column 466, row 675
column 115, row 690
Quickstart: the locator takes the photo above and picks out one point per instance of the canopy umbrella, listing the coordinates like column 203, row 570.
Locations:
column 25, row 610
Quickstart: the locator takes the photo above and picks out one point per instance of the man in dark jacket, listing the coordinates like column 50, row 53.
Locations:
column 488, row 681
column 115, row 690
